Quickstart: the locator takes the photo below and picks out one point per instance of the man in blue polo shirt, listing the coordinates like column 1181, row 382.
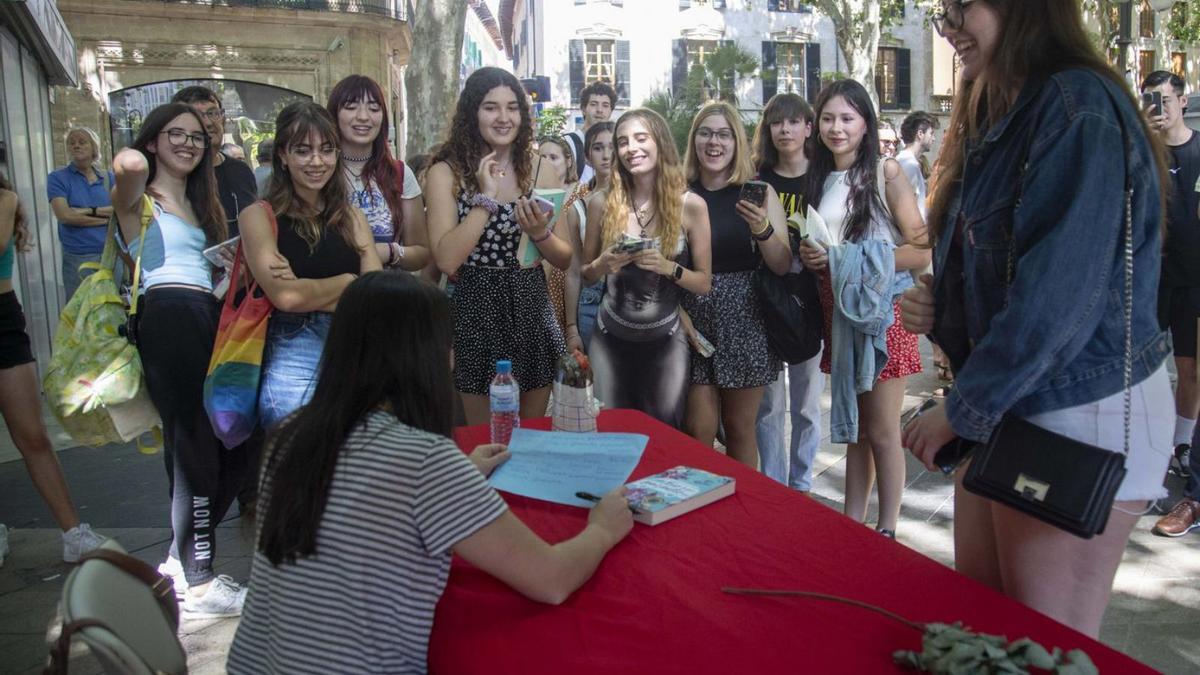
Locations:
column 78, row 195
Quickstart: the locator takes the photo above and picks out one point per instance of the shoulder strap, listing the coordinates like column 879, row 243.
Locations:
column 881, row 185
column 147, row 218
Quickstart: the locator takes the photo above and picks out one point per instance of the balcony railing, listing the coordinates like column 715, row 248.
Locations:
column 393, row 9
column 941, row 104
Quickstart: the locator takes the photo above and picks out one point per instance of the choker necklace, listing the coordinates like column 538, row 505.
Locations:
column 348, row 158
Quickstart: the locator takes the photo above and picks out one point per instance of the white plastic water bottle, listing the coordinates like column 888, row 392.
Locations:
column 505, row 398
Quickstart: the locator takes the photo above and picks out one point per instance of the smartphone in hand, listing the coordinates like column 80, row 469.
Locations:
column 544, row 204
column 1152, row 102
column 754, row 191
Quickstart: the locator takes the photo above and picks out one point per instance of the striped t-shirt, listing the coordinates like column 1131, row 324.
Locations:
column 364, row 601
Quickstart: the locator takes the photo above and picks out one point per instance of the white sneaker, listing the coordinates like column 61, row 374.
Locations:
column 173, row 569
column 224, row 597
column 3, row 543
column 80, row 540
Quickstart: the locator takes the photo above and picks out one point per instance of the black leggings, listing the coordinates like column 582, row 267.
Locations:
column 175, row 339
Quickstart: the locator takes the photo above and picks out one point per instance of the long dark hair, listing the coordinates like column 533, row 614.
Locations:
column 381, row 169
column 465, row 147
column 781, row 107
column 1036, row 39
column 863, row 201
column 398, row 360
column 292, row 127
column 201, row 189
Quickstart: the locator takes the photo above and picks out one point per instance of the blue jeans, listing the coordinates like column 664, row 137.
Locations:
column 792, row 464
column 72, row 276
column 290, row 360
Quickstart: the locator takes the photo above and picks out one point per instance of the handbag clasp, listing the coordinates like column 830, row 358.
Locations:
column 1031, row 488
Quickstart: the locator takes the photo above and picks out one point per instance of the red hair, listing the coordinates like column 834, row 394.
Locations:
column 381, row 169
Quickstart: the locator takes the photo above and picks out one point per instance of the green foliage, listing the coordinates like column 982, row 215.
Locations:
column 724, row 68
column 552, row 120
column 1183, row 22
column 677, row 113
column 954, row 650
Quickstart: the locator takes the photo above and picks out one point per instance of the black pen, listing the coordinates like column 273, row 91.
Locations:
column 593, row 498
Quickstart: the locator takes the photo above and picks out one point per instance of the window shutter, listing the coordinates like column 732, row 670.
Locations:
column 575, row 48
column 770, row 78
column 679, row 67
column 684, row 4
column 903, row 79
column 622, row 83
column 812, row 67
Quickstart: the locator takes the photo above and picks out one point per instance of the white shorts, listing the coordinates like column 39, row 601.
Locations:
column 1102, row 424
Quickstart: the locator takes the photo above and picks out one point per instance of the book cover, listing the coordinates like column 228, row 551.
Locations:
column 674, row 492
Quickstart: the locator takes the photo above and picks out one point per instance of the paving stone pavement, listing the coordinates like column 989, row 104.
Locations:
column 1154, row 615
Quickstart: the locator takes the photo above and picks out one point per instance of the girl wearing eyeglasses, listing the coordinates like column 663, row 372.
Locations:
column 326, row 243
column 384, row 188
column 727, row 385
column 1031, row 301
column 169, row 162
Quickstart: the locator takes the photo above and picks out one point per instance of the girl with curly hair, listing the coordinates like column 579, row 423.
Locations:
column 481, row 215
column 652, row 246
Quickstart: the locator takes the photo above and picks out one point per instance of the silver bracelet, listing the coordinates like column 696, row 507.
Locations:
column 485, row 202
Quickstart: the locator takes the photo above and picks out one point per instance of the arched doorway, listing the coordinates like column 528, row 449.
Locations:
column 250, row 109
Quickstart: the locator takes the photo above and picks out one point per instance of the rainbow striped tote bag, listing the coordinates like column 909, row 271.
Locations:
column 235, row 370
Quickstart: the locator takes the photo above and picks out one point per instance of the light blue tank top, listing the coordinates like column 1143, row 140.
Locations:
column 174, row 253
column 6, row 260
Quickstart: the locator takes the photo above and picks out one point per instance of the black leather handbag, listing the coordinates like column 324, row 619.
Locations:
column 791, row 312
column 1058, row 480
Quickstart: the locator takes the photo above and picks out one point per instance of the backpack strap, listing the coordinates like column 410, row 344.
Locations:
column 136, row 288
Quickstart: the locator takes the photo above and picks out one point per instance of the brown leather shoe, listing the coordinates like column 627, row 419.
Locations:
column 1182, row 519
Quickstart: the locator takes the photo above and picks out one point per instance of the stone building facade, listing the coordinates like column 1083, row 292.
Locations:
column 128, row 43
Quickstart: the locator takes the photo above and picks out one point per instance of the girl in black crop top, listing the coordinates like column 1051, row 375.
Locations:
column 304, row 244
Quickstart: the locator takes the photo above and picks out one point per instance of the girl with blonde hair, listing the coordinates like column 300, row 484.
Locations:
column 653, row 246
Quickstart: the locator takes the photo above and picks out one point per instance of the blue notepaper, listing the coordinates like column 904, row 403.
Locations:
column 554, row 465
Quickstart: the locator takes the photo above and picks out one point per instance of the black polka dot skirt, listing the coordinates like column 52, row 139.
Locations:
column 504, row 314
column 731, row 318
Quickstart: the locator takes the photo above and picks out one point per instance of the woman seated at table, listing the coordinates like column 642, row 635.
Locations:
column 364, row 496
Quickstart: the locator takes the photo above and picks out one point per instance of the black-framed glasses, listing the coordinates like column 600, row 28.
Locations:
column 950, row 17
column 179, row 137
column 706, row 134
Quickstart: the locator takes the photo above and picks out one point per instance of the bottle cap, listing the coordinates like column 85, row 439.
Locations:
column 504, row 367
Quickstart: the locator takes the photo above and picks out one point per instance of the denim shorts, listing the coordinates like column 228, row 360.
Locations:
column 1102, row 424
column 290, row 359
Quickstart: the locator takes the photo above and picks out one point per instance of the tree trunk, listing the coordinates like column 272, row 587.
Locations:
column 856, row 24
column 431, row 79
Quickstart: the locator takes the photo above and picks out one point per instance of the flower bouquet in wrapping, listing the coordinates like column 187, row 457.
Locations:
column 575, row 408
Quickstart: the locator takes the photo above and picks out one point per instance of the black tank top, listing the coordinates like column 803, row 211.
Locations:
column 733, row 249
column 331, row 257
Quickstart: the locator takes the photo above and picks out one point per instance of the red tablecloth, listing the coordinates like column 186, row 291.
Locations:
column 655, row 604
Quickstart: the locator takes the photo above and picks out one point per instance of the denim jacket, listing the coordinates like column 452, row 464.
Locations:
column 864, row 286
column 1054, row 338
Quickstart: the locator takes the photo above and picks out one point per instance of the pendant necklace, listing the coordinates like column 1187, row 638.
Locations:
column 637, row 215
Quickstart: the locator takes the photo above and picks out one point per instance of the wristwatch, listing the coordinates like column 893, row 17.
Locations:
column 678, row 274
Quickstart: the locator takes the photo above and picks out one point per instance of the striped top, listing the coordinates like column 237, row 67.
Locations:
column 364, row 602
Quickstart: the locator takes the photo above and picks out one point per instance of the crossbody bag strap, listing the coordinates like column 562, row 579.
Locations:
column 1127, row 226
column 136, row 288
